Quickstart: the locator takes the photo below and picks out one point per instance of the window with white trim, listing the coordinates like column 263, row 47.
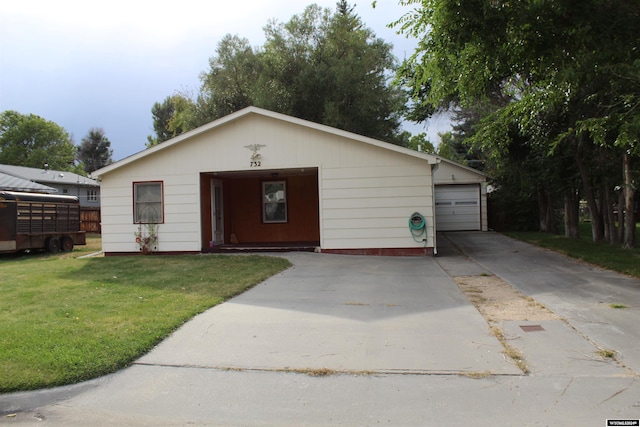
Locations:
column 147, row 203
column 274, row 202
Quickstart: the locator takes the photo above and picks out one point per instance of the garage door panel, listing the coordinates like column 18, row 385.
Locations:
column 457, row 207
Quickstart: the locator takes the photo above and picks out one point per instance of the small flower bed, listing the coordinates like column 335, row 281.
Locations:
column 147, row 238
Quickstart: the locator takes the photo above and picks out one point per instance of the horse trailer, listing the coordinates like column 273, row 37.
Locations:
column 31, row 221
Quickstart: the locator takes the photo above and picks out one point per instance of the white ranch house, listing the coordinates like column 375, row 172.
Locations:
column 256, row 179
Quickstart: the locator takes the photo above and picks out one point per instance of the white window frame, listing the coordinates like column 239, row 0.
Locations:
column 148, row 211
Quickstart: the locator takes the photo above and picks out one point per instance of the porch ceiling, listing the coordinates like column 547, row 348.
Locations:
column 265, row 173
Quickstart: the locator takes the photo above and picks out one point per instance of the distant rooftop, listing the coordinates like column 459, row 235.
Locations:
column 13, row 183
column 48, row 176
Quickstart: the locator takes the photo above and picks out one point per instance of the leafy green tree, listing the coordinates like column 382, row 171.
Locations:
column 30, row 140
column 175, row 115
column 95, row 150
column 359, row 97
column 161, row 112
column 294, row 73
column 230, row 83
column 417, row 142
column 561, row 78
column 320, row 66
column 448, row 149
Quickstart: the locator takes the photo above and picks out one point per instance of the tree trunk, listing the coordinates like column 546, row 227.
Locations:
column 542, row 211
column 545, row 210
column 597, row 229
column 629, row 213
column 571, row 214
column 621, row 226
column 610, row 230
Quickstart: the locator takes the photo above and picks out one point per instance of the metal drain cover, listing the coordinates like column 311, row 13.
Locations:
column 531, row 328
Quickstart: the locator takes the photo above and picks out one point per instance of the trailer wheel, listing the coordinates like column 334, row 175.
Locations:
column 53, row 245
column 67, row 244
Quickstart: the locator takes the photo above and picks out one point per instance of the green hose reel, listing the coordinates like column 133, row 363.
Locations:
column 418, row 227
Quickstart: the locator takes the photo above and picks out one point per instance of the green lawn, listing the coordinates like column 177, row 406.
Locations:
column 65, row 319
column 626, row 261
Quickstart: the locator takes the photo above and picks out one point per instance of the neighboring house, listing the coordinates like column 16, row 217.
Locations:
column 13, row 183
column 85, row 189
column 258, row 178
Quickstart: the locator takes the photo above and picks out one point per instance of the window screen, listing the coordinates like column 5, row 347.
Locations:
column 274, row 201
column 147, row 203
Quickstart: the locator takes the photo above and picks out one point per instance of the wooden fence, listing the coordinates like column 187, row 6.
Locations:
column 90, row 220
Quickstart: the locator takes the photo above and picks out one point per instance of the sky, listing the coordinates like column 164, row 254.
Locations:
column 104, row 64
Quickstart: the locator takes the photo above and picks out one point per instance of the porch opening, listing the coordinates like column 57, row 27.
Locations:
column 265, row 210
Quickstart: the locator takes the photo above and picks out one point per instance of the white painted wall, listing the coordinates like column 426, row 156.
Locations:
column 367, row 191
column 369, row 207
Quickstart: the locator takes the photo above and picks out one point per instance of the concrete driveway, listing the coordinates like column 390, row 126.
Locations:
column 401, row 344
column 344, row 313
column 579, row 292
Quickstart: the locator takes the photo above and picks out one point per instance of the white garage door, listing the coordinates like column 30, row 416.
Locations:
column 457, row 207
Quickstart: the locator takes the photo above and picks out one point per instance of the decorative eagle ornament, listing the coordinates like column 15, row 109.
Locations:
column 254, row 151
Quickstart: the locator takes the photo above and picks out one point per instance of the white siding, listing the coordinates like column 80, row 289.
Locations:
column 367, row 192
column 181, row 228
column 369, row 207
column 448, row 172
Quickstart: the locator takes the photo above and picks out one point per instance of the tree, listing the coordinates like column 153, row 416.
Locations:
column 560, row 75
column 320, row 66
column 417, row 142
column 231, row 81
column 359, row 97
column 30, row 140
column 448, row 149
column 171, row 118
column 95, row 150
column 331, row 69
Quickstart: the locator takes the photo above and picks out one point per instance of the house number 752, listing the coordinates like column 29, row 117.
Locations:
column 255, row 164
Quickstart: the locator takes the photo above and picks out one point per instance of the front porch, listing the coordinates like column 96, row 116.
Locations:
column 265, row 247
column 239, row 214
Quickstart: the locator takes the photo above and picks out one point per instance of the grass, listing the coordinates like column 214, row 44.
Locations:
column 477, row 375
column 510, row 351
column 618, row 306
column 64, row 319
column 625, row 261
column 607, row 354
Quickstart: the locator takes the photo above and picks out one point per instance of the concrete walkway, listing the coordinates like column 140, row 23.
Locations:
column 580, row 293
column 405, row 347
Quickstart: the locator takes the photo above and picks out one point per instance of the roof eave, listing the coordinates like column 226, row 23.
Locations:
column 431, row 159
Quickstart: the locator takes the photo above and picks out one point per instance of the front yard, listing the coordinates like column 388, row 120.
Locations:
column 64, row 319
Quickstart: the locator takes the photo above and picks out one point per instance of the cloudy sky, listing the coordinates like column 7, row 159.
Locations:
column 104, row 64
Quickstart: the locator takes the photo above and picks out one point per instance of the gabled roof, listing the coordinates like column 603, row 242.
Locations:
column 431, row 159
column 48, row 176
column 461, row 166
column 13, row 183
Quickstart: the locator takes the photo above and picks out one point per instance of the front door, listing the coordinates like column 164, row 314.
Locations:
column 217, row 218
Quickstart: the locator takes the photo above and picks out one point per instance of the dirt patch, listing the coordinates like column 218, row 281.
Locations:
column 498, row 301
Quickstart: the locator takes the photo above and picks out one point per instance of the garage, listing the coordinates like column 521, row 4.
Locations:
column 458, row 207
